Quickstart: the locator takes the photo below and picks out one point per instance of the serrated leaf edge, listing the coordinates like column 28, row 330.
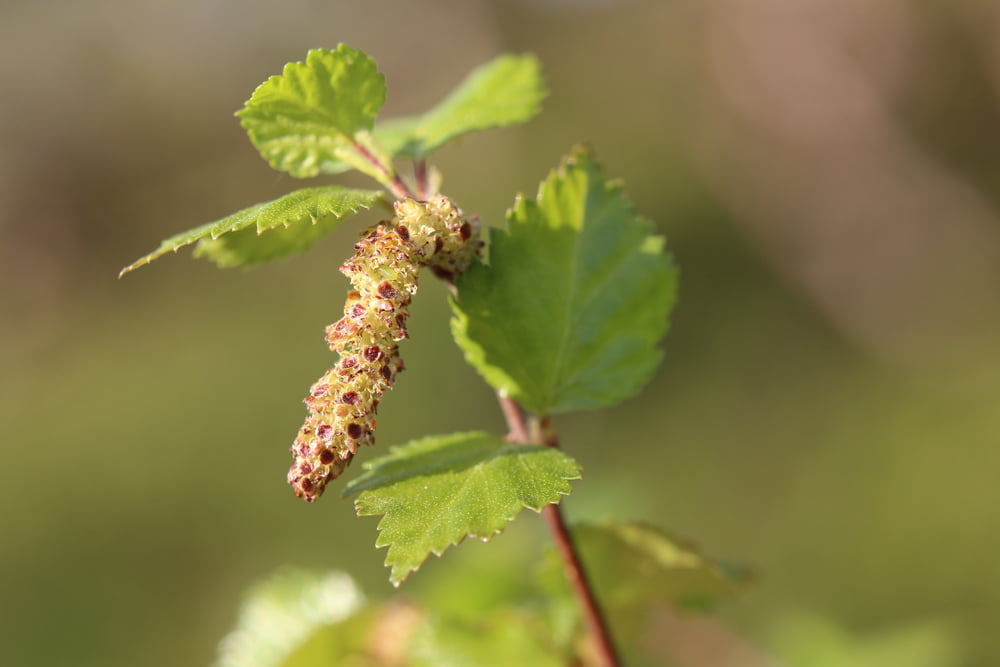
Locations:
column 273, row 156
column 580, row 156
column 209, row 231
column 413, row 148
column 396, row 580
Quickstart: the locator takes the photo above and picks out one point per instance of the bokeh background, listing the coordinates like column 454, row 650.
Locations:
column 828, row 175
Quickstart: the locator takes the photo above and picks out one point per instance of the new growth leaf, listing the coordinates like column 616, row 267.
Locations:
column 316, row 113
column 435, row 492
column 570, row 311
column 285, row 218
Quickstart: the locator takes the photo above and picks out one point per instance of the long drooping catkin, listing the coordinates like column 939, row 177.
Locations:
column 383, row 273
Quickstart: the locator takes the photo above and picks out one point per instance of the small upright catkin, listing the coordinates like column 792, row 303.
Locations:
column 383, row 273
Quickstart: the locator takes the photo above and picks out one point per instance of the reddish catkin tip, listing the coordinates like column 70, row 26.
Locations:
column 383, row 274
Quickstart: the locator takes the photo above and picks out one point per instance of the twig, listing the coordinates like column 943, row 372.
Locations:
column 420, row 176
column 593, row 617
column 514, row 415
column 395, row 183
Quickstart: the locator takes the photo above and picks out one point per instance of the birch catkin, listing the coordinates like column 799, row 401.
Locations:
column 383, row 274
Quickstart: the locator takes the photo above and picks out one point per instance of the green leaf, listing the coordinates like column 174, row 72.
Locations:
column 569, row 312
column 284, row 218
column 283, row 613
column 249, row 247
column 634, row 566
column 506, row 91
column 307, row 119
column 633, row 562
column 434, row 492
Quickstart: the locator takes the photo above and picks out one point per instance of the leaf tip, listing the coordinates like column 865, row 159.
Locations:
column 134, row 265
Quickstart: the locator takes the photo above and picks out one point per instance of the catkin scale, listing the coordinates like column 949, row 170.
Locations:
column 383, row 273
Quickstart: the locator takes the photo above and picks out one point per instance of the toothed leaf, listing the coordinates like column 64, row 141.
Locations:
column 286, row 219
column 570, row 310
column 434, row 492
column 305, row 120
column 506, row 91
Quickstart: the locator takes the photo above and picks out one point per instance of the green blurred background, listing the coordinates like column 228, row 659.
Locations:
column 828, row 175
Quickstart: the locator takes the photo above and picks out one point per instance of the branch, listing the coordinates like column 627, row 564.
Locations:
column 593, row 617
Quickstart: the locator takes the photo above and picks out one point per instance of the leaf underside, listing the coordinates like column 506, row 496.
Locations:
column 434, row 492
column 570, row 310
column 285, row 218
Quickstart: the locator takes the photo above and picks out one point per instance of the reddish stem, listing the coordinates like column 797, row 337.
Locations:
column 395, row 184
column 593, row 617
column 596, row 623
column 420, row 175
column 516, row 422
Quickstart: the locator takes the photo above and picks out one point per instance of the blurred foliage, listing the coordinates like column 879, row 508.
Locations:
column 635, row 568
column 839, row 436
column 281, row 614
column 313, row 619
column 809, row 640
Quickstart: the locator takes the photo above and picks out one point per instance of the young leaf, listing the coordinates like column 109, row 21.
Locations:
column 286, row 216
column 282, row 613
column 309, row 118
column 569, row 312
column 506, row 91
column 434, row 492
column 249, row 247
